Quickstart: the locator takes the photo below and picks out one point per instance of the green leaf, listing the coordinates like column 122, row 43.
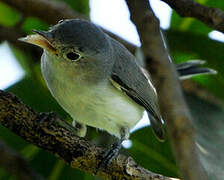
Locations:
column 3, row 174
column 32, row 23
column 11, row 139
column 29, row 151
column 8, row 16
column 43, row 162
column 188, row 24
column 57, row 170
column 81, row 6
column 152, row 154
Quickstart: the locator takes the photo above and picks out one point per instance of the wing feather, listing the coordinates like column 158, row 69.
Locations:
column 128, row 74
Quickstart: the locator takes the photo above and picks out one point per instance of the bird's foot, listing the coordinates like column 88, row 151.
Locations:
column 110, row 155
column 46, row 117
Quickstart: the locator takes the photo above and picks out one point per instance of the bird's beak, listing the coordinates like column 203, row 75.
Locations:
column 42, row 39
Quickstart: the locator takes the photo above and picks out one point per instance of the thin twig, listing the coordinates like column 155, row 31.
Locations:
column 212, row 17
column 53, row 134
column 15, row 164
column 172, row 104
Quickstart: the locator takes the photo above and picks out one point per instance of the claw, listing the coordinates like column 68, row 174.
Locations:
column 46, row 116
column 110, row 155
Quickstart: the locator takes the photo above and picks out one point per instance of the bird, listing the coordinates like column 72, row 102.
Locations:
column 98, row 81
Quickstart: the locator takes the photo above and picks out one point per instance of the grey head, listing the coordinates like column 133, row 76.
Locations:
column 72, row 40
column 109, row 60
column 83, row 35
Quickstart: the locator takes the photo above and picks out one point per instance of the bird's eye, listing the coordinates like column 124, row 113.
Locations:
column 73, row 56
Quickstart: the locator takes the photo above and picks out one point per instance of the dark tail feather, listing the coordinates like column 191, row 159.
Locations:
column 192, row 68
column 157, row 127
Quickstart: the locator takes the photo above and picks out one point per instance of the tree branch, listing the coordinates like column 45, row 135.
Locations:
column 15, row 164
column 212, row 17
column 172, row 104
column 55, row 12
column 53, row 134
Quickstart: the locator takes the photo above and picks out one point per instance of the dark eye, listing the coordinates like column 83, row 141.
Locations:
column 73, row 56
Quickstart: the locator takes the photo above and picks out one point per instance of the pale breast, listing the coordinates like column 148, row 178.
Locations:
column 98, row 105
column 101, row 106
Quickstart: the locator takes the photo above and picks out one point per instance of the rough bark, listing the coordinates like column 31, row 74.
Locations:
column 212, row 17
column 173, row 107
column 51, row 133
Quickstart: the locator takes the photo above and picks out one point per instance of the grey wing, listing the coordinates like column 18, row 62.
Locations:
column 128, row 74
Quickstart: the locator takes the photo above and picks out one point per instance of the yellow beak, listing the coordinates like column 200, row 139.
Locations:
column 40, row 40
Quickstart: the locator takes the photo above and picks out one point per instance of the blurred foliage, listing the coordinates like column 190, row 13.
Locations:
column 152, row 154
column 197, row 46
column 191, row 24
column 187, row 39
column 31, row 23
column 208, row 121
column 81, row 6
column 8, row 16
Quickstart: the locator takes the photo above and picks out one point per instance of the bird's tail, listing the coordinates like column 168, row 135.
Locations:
column 192, row 68
column 157, row 126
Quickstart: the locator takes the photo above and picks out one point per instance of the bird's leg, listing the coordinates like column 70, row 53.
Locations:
column 115, row 147
column 46, row 117
column 80, row 129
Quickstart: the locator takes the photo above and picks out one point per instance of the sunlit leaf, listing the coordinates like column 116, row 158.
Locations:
column 81, row 6
column 8, row 15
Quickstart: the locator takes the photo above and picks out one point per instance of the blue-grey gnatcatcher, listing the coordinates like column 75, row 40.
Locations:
column 97, row 80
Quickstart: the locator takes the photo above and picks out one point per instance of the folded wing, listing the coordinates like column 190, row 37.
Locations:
column 134, row 84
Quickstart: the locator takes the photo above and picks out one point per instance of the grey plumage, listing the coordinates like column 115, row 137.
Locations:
column 107, row 58
column 134, row 83
column 97, row 80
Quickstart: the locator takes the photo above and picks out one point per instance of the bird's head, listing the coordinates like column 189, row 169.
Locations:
column 74, row 42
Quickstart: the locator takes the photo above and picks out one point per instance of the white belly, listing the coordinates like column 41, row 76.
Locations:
column 101, row 105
